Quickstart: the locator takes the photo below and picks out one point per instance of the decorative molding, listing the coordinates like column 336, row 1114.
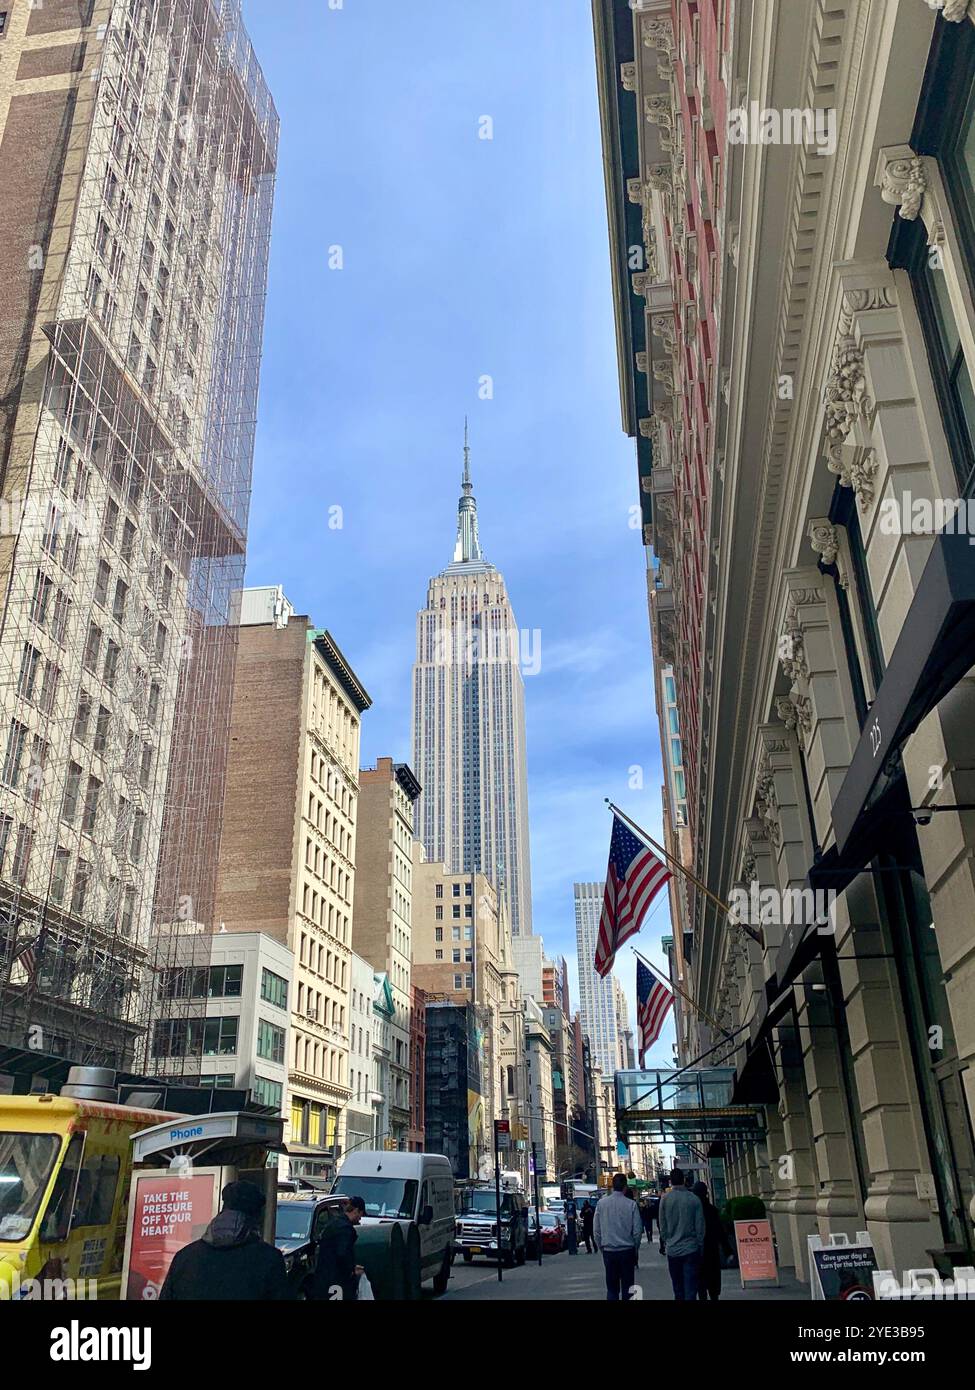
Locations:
column 845, row 398
column 640, row 281
column 643, row 363
column 628, row 76
column 825, row 541
column 634, row 191
column 901, row 180
column 664, row 328
column 823, row 538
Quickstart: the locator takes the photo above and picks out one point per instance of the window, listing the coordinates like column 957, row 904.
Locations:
column 455, row 888
column 225, row 981
column 101, row 729
column 59, row 875
column 118, row 603
column 110, row 525
column 267, row 1092
column 274, row 988
column 439, row 914
column 102, row 580
column 439, row 890
column 97, row 1183
column 92, row 649
column 110, row 671
column 455, row 911
column 16, row 740
column 90, row 814
column 270, row 1041
column 72, row 792
column 137, row 847
column 21, row 859
column 49, row 686
column 29, row 663
column 220, row 1036
column 79, row 892
column 438, row 955
column 438, row 934
column 458, row 982
column 455, row 955
column 43, row 585
column 59, row 620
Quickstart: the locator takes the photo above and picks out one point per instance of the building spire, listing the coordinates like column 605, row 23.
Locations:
column 468, row 547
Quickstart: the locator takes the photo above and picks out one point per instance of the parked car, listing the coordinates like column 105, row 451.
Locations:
column 531, row 1244
column 297, row 1231
column 476, row 1232
column 553, row 1232
column 417, row 1190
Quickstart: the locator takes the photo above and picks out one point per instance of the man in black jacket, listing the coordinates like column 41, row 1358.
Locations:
column 335, row 1266
column 231, row 1262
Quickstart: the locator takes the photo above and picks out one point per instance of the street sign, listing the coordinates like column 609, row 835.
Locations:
column 502, row 1135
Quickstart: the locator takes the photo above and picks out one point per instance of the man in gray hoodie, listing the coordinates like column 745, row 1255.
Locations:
column 682, row 1228
column 618, row 1230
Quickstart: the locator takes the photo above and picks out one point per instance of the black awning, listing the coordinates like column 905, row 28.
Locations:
column 935, row 648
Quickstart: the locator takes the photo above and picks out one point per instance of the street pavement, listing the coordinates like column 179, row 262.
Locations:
column 580, row 1277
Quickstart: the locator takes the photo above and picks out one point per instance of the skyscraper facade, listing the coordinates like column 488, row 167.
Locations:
column 137, row 155
column 597, row 995
column 469, row 723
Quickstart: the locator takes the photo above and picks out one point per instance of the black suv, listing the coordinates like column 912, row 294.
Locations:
column 297, row 1231
column 477, row 1225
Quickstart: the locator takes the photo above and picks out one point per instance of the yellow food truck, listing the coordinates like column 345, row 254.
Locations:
column 65, row 1170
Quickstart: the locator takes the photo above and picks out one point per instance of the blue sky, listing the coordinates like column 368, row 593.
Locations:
column 461, row 258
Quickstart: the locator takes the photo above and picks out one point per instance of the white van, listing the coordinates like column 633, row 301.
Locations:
column 414, row 1189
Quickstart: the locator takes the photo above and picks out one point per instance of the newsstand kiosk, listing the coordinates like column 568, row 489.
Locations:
column 171, row 1206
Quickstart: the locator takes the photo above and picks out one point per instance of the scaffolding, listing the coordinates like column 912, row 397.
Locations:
column 127, row 479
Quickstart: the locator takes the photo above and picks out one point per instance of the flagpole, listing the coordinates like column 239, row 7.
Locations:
column 671, row 985
column 649, row 840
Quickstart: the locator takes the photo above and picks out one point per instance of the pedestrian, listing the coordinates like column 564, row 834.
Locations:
column 682, row 1230
column 618, row 1230
column 335, row 1266
column 571, row 1238
column 647, row 1218
column 716, row 1247
column 587, row 1219
column 230, row 1261
column 654, row 1205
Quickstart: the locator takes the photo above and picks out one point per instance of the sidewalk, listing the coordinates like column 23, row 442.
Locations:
column 580, row 1278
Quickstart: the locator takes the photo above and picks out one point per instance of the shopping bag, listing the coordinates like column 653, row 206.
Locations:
column 366, row 1294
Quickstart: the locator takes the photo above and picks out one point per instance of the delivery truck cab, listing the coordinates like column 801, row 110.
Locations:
column 65, row 1170
column 417, row 1190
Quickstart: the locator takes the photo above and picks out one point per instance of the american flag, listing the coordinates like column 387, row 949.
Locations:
column 27, row 954
column 633, row 879
column 653, row 999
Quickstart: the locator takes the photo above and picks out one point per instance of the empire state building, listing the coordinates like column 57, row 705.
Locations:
column 469, row 722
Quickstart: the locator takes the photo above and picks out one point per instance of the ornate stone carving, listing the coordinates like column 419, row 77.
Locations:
column 640, row 282
column 902, row 180
column 845, row 398
column 856, row 468
column 795, row 713
column 628, row 76
column 642, row 363
column 663, row 327
column 634, row 191
column 824, row 540
column 792, row 652
column 657, row 111
column 659, row 177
